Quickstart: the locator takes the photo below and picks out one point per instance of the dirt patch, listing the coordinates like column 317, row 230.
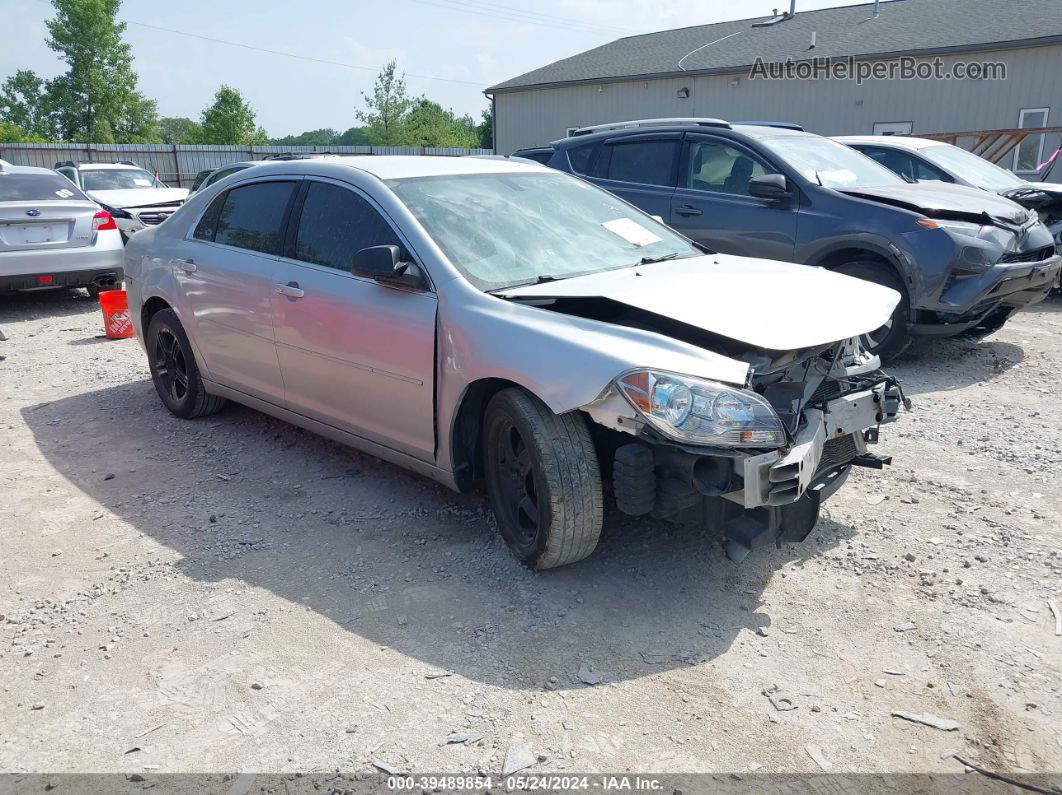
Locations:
column 234, row 589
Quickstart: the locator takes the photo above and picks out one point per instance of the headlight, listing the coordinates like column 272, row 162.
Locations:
column 692, row 410
column 957, row 227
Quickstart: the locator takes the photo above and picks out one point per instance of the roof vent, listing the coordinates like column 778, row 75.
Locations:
column 774, row 20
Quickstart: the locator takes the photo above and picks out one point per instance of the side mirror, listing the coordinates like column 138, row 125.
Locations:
column 772, row 187
column 387, row 264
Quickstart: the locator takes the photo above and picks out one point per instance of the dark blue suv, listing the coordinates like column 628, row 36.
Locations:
column 963, row 260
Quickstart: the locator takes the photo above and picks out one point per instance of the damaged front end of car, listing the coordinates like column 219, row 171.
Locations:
column 756, row 462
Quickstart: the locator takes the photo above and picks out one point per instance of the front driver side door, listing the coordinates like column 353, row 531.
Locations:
column 712, row 204
column 355, row 354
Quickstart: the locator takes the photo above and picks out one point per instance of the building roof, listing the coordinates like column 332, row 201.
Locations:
column 902, row 27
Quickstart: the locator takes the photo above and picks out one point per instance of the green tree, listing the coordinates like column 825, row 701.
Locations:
column 24, row 104
column 325, row 136
column 230, row 120
column 428, row 124
column 355, row 136
column 97, row 98
column 485, row 129
column 386, row 109
column 13, row 134
column 179, row 130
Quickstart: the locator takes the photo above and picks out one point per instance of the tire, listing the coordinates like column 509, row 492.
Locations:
column 892, row 339
column 543, row 480
column 93, row 291
column 174, row 370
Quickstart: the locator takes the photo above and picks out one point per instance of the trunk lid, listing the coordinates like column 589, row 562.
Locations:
column 767, row 304
column 30, row 226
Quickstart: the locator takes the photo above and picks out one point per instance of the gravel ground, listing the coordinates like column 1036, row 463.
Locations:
column 235, row 593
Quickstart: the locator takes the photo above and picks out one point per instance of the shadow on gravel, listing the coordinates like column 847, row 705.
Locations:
column 399, row 560
column 934, row 365
column 16, row 307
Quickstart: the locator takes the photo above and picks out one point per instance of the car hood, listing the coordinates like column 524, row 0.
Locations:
column 139, row 197
column 954, row 202
column 1041, row 196
column 767, row 304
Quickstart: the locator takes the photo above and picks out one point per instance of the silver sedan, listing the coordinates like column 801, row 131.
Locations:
column 497, row 322
column 53, row 235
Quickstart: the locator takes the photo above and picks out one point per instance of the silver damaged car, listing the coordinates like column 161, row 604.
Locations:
column 484, row 321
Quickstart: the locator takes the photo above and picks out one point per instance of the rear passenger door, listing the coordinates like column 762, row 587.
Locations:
column 712, row 204
column 225, row 275
column 640, row 169
column 355, row 354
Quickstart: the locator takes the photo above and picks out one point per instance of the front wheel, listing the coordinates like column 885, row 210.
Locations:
column 543, row 480
column 174, row 370
column 891, row 339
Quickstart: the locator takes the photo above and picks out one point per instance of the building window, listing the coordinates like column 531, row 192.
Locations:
column 893, row 127
column 1030, row 152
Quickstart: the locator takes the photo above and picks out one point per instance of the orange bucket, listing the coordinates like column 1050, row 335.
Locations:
column 116, row 321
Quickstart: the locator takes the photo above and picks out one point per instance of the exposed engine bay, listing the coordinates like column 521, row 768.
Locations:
column 831, row 400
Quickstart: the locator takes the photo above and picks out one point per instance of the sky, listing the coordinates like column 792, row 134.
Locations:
column 450, row 50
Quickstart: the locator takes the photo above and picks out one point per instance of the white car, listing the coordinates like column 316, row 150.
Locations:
column 52, row 235
column 136, row 198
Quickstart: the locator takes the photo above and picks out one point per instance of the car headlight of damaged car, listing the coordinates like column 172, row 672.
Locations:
column 696, row 411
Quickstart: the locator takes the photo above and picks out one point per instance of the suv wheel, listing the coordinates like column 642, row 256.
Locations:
column 892, row 339
column 543, row 480
column 174, row 370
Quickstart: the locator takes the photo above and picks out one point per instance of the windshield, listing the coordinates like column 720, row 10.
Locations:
column 118, row 179
column 501, row 230
column 37, row 188
column 971, row 168
column 830, row 163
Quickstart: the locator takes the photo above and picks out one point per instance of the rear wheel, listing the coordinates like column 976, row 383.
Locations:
column 543, row 480
column 174, row 370
column 891, row 339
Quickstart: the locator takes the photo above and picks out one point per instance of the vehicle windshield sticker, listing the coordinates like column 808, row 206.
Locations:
column 63, row 193
column 146, row 183
column 631, row 231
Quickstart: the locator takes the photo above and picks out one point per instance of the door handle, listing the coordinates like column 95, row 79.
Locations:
column 186, row 265
column 687, row 209
column 290, row 290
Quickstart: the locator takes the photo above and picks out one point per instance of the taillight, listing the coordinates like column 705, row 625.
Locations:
column 103, row 220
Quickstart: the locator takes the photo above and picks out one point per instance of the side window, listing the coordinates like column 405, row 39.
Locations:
column 644, row 162
column 924, row 172
column 70, row 174
column 897, row 162
column 579, row 158
column 208, row 224
column 220, row 175
column 253, row 217
column 714, row 166
column 336, row 223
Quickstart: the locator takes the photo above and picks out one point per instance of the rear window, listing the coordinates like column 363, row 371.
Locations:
column 253, row 217
column 37, row 188
column 643, row 162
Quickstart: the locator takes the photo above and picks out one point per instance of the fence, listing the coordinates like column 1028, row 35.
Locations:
column 177, row 165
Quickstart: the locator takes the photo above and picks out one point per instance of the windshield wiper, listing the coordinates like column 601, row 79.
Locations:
column 661, row 258
column 540, row 279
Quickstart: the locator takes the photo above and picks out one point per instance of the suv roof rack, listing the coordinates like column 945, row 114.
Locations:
column 783, row 125
column 76, row 164
column 624, row 125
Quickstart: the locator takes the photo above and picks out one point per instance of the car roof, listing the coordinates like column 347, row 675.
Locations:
column 108, row 167
column 737, row 130
column 400, row 166
column 12, row 168
column 898, row 141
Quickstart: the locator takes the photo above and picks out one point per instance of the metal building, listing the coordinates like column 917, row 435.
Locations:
column 711, row 70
